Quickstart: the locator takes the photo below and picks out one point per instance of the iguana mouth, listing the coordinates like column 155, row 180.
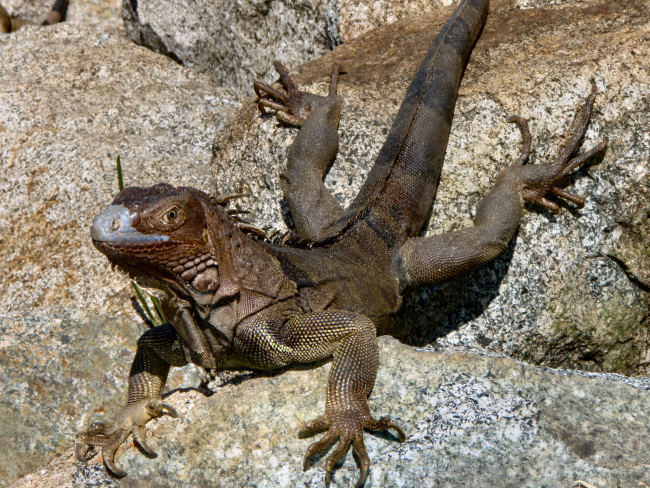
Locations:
column 116, row 226
column 114, row 233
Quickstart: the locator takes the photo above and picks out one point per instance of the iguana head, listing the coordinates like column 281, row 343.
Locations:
column 160, row 234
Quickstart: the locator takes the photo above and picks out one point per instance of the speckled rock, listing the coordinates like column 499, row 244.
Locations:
column 356, row 17
column 233, row 42
column 572, row 289
column 71, row 99
column 471, row 421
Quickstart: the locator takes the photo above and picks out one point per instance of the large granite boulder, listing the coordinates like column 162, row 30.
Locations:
column 71, row 99
column 471, row 421
column 572, row 289
column 233, row 42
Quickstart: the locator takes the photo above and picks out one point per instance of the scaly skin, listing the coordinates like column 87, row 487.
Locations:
column 244, row 303
column 12, row 24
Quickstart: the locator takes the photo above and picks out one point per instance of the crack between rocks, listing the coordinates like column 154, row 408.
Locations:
column 630, row 276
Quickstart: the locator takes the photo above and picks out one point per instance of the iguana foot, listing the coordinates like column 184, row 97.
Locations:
column 542, row 180
column 292, row 106
column 345, row 426
column 110, row 435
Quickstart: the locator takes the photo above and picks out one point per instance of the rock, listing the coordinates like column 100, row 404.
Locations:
column 471, row 421
column 71, row 99
column 357, row 17
column 233, row 42
column 572, row 289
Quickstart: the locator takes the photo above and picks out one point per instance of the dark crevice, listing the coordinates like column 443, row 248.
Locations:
column 628, row 273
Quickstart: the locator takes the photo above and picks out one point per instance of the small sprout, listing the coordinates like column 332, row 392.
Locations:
column 152, row 322
column 159, row 312
column 120, row 181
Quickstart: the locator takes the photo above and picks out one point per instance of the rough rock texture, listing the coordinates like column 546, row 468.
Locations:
column 101, row 13
column 70, row 100
column 572, row 290
column 470, row 420
column 233, row 42
column 356, row 17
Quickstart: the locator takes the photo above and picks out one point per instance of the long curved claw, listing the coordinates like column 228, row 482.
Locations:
column 386, row 423
column 167, row 409
column 140, row 436
column 359, row 450
column 111, row 435
column 109, row 461
column 317, row 447
column 89, row 451
column 335, row 457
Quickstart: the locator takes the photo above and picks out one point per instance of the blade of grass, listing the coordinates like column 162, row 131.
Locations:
column 120, row 181
column 159, row 312
column 143, row 302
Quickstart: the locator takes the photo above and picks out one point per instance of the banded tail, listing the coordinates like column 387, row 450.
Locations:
column 402, row 184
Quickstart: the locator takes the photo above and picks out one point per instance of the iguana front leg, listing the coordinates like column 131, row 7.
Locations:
column 351, row 339
column 158, row 349
column 312, row 206
column 429, row 260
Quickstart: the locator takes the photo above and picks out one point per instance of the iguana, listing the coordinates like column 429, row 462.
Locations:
column 241, row 302
column 11, row 24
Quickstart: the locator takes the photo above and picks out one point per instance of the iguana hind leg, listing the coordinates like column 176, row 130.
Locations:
column 312, row 206
column 158, row 348
column 429, row 260
column 351, row 338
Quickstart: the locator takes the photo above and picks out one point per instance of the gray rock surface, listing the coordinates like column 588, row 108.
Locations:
column 572, row 290
column 71, row 99
column 233, row 42
column 471, row 421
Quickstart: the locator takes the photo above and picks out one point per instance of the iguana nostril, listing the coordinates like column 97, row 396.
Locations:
column 116, row 224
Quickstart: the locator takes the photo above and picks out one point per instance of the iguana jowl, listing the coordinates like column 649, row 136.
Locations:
column 243, row 303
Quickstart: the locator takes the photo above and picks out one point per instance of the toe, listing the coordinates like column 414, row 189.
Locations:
column 108, row 453
column 317, row 447
column 335, row 457
column 314, row 427
column 139, row 435
column 359, row 450
column 386, row 423
column 84, row 452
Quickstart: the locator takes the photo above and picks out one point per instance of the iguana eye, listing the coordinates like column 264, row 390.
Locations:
column 172, row 216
